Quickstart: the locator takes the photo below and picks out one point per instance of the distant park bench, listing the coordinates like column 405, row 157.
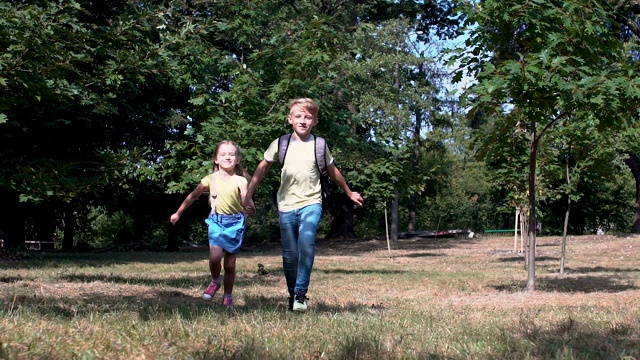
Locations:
column 41, row 245
column 37, row 244
column 499, row 231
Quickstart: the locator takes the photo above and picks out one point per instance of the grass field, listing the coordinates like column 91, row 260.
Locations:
column 426, row 299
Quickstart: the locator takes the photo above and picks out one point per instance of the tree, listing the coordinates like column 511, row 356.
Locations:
column 109, row 73
column 153, row 86
column 546, row 60
column 576, row 153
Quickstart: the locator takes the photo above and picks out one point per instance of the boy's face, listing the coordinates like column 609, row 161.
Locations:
column 302, row 121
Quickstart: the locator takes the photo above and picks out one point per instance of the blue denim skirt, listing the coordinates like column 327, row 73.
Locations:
column 226, row 231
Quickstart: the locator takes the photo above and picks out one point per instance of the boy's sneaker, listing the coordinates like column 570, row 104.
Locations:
column 300, row 302
column 211, row 291
column 227, row 301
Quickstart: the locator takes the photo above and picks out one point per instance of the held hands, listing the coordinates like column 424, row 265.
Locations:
column 249, row 206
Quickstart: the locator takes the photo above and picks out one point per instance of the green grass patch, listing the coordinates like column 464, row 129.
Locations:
column 444, row 299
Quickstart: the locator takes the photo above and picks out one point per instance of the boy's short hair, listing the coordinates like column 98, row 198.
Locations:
column 307, row 104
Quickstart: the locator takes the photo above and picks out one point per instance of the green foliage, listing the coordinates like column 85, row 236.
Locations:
column 397, row 97
column 82, row 95
column 458, row 191
column 540, row 65
column 606, row 203
column 107, row 229
column 502, row 144
column 549, row 59
column 119, row 105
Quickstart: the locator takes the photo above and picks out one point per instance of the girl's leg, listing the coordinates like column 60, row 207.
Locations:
column 229, row 272
column 215, row 257
column 229, row 278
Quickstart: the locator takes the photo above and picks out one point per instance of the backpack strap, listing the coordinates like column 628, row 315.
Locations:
column 321, row 149
column 213, row 195
column 283, row 145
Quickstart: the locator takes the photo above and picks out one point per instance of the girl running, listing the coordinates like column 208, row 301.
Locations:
column 227, row 187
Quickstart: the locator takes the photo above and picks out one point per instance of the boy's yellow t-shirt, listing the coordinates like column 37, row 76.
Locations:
column 228, row 200
column 299, row 177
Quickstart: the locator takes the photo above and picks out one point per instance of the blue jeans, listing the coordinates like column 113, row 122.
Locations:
column 298, row 231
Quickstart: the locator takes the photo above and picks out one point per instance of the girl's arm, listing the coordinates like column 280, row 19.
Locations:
column 193, row 196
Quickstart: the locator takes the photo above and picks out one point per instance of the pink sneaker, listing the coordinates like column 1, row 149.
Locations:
column 211, row 291
column 227, row 301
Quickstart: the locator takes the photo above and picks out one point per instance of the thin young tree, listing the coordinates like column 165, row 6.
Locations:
column 546, row 60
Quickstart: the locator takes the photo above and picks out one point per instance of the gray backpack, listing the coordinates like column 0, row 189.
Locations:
column 326, row 183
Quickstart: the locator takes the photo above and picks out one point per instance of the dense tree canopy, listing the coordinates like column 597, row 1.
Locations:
column 110, row 111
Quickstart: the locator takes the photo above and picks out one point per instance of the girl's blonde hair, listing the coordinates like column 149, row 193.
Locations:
column 238, row 169
column 307, row 104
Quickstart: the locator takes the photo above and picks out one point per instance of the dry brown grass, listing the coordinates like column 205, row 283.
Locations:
column 428, row 298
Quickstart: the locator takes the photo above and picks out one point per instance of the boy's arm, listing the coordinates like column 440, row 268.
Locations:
column 193, row 196
column 336, row 175
column 243, row 195
column 258, row 175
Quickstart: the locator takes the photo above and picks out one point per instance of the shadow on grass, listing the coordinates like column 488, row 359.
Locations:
column 359, row 246
column 326, row 247
column 181, row 282
column 520, row 258
column 417, row 255
column 280, row 303
column 582, row 284
column 365, row 271
column 570, row 338
column 184, row 282
column 155, row 304
column 549, row 244
column 10, row 279
column 598, row 269
column 96, row 260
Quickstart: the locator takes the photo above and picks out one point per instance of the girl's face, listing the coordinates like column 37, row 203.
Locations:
column 302, row 121
column 227, row 157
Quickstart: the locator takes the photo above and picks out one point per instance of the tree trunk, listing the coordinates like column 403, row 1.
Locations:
column 44, row 215
column 531, row 229
column 417, row 129
column 413, row 199
column 139, row 215
column 12, row 219
column 395, row 210
column 341, row 211
column 633, row 162
column 172, row 241
column 563, row 250
column 69, row 227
